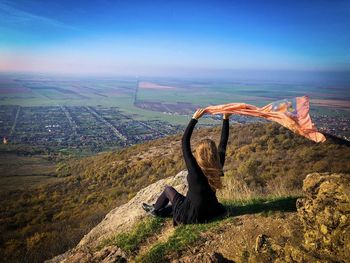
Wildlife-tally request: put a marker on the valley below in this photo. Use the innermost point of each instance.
(55, 200)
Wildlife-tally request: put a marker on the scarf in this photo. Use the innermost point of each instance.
(290, 113)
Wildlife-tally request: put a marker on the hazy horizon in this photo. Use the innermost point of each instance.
(215, 39)
(338, 79)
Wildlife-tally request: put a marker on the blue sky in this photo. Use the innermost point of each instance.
(174, 37)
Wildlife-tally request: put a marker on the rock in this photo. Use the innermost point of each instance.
(120, 219)
(266, 250)
(84, 255)
(324, 213)
(204, 258)
(110, 255)
(123, 217)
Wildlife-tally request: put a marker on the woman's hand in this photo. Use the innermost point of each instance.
(199, 113)
(226, 116)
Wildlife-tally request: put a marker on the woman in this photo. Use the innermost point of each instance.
(204, 172)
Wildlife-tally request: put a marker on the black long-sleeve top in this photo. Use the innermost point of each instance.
(223, 141)
(200, 203)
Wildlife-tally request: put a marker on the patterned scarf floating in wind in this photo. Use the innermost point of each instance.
(291, 113)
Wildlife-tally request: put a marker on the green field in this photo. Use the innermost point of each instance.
(34, 91)
(27, 90)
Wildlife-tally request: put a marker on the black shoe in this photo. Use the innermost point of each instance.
(148, 208)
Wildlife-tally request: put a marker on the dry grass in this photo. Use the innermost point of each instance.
(235, 188)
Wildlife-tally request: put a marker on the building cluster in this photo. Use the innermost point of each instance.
(338, 125)
(78, 127)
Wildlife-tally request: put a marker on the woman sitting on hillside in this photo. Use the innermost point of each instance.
(204, 171)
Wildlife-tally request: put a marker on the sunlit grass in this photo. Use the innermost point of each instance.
(187, 235)
(130, 241)
(183, 236)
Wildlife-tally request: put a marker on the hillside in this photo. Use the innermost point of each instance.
(263, 160)
(315, 228)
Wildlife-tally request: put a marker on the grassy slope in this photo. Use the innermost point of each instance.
(23, 172)
(154, 239)
(263, 159)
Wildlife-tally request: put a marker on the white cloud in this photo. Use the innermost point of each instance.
(14, 16)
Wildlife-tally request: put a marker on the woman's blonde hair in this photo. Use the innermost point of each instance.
(208, 159)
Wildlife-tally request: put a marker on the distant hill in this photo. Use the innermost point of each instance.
(262, 160)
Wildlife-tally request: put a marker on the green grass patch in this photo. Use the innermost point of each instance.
(130, 241)
(186, 235)
(183, 236)
(265, 206)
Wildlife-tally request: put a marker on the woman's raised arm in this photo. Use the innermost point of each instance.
(224, 138)
(191, 163)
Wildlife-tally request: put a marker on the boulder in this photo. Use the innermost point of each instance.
(325, 215)
(120, 219)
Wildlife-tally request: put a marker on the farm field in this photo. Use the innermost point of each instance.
(88, 115)
(27, 90)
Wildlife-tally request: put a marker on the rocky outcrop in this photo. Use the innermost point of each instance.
(120, 219)
(123, 217)
(324, 212)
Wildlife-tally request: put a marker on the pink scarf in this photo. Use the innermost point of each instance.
(291, 113)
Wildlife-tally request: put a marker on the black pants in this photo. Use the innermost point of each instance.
(161, 205)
